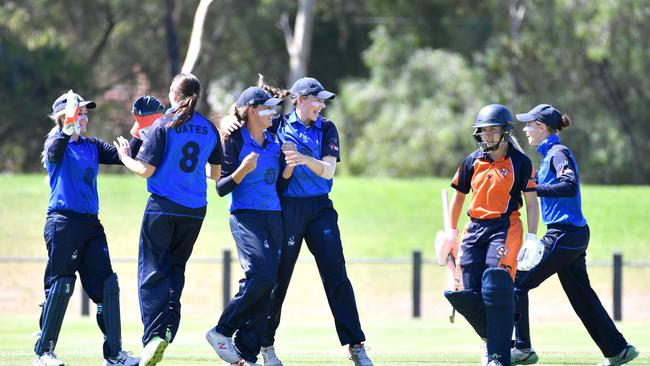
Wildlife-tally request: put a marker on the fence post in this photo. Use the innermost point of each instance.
(85, 303)
(226, 277)
(417, 282)
(618, 285)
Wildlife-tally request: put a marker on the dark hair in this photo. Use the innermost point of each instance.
(273, 90)
(185, 89)
(566, 123)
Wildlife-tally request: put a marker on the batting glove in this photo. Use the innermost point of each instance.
(530, 254)
(446, 244)
(146, 110)
(70, 123)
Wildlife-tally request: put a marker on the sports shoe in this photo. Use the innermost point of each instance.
(123, 359)
(243, 362)
(484, 353)
(494, 363)
(153, 352)
(47, 359)
(628, 354)
(358, 355)
(269, 356)
(223, 346)
(523, 357)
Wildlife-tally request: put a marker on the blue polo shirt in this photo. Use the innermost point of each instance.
(72, 167)
(257, 191)
(316, 140)
(558, 184)
(180, 155)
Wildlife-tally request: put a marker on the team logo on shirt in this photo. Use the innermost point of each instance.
(504, 172)
(270, 176)
(334, 144)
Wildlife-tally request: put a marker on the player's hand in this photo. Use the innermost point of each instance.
(146, 110)
(446, 244)
(294, 158)
(250, 162)
(229, 124)
(530, 254)
(70, 122)
(123, 148)
(289, 146)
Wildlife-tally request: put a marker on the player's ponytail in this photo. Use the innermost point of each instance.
(273, 90)
(513, 141)
(57, 118)
(566, 122)
(186, 89)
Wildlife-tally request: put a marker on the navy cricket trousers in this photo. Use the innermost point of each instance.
(315, 220)
(564, 254)
(167, 238)
(77, 242)
(258, 237)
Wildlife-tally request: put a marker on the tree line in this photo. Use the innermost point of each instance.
(410, 75)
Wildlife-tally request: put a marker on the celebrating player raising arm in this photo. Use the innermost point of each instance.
(173, 159)
(497, 174)
(74, 236)
(565, 243)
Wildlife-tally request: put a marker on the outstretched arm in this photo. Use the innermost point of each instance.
(136, 166)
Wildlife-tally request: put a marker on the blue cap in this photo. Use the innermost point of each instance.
(545, 113)
(310, 86)
(60, 102)
(254, 96)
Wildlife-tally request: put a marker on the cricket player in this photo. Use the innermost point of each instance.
(74, 237)
(497, 174)
(565, 243)
(251, 169)
(180, 150)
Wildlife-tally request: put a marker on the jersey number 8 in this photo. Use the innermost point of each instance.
(190, 157)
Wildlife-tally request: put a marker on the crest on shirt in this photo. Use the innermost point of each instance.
(502, 251)
(334, 143)
(504, 172)
(270, 176)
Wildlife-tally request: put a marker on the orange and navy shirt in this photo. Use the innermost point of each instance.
(496, 185)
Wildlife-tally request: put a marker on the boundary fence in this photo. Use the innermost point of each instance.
(416, 260)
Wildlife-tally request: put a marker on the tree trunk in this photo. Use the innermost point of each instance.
(299, 41)
(194, 48)
(172, 39)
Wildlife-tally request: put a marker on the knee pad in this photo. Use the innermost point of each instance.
(470, 305)
(108, 318)
(54, 309)
(499, 300)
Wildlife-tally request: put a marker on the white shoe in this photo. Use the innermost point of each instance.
(269, 356)
(523, 357)
(47, 359)
(484, 353)
(153, 352)
(223, 346)
(358, 355)
(122, 359)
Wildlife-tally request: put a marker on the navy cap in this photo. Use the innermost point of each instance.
(310, 86)
(255, 95)
(545, 113)
(60, 102)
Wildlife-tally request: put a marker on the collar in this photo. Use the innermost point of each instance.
(488, 157)
(248, 139)
(546, 145)
(293, 118)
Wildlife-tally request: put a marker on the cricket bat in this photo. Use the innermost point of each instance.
(450, 261)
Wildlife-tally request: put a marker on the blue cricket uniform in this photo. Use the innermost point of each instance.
(173, 215)
(256, 226)
(74, 236)
(565, 243)
(309, 214)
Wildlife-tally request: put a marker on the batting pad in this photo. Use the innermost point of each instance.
(53, 313)
(111, 316)
(470, 305)
(499, 299)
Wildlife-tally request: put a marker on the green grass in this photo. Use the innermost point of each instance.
(314, 342)
(378, 217)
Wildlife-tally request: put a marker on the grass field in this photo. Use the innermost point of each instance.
(314, 343)
(379, 218)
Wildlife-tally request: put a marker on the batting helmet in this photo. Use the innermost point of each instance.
(494, 115)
